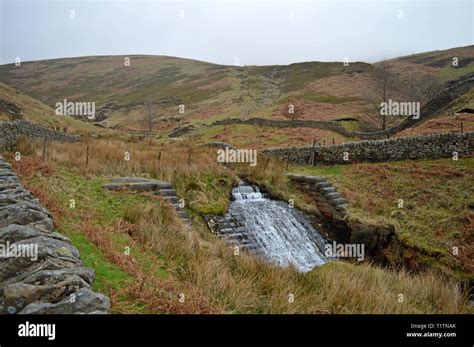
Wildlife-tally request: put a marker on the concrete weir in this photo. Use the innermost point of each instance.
(271, 229)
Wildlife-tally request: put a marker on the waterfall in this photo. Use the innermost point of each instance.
(272, 229)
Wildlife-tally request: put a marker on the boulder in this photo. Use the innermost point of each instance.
(82, 301)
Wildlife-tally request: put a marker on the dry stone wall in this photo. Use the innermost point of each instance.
(418, 147)
(325, 125)
(40, 270)
(10, 131)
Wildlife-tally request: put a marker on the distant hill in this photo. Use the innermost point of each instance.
(124, 94)
(208, 91)
(437, 63)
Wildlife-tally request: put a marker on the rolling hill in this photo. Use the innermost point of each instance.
(209, 92)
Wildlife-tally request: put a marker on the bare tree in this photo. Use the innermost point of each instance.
(149, 118)
(386, 86)
(423, 89)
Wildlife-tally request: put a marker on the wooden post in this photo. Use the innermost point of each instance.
(333, 142)
(87, 155)
(189, 159)
(462, 128)
(44, 149)
(159, 156)
(313, 154)
(266, 163)
(324, 142)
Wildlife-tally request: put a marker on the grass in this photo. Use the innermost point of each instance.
(326, 98)
(435, 216)
(451, 73)
(261, 137)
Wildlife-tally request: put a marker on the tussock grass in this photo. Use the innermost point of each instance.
(198, 178)
(244, 284)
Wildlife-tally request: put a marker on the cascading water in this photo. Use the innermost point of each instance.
(272, 229)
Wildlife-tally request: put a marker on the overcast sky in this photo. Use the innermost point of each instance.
(255, 32)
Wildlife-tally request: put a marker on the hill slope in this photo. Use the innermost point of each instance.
(17, 105)
(125, 94)
(208, 91)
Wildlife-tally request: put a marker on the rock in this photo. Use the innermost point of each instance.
(14, 233)
(46, 248)
(22, 214)
(180, 131)
(19, 295)
(220, 145)
(82, 301)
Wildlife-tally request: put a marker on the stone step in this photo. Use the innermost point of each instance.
(324, 184)
(178, 207)
(238, 227)
(342, 207)
(334, 195)
(328, 190)
(250, 247)
(4, 165)
(5, 186)
(182, 214)
(167, 192)
(339, 201)
(171, 199)
(224, 231)
(306, 179)
(157, 184)
(236, 236)
(186, 221)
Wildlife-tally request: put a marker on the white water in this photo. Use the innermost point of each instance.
(281, 234)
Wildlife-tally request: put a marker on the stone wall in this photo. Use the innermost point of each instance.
(10, 131)
(325, 125)
(40, 270)
(418, 147)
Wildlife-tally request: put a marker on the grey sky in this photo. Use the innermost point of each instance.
(257, 32)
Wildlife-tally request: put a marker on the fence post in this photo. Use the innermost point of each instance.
(313, 153)
(266, 163)
(44, 148)
(87, 155)
(462, 128)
